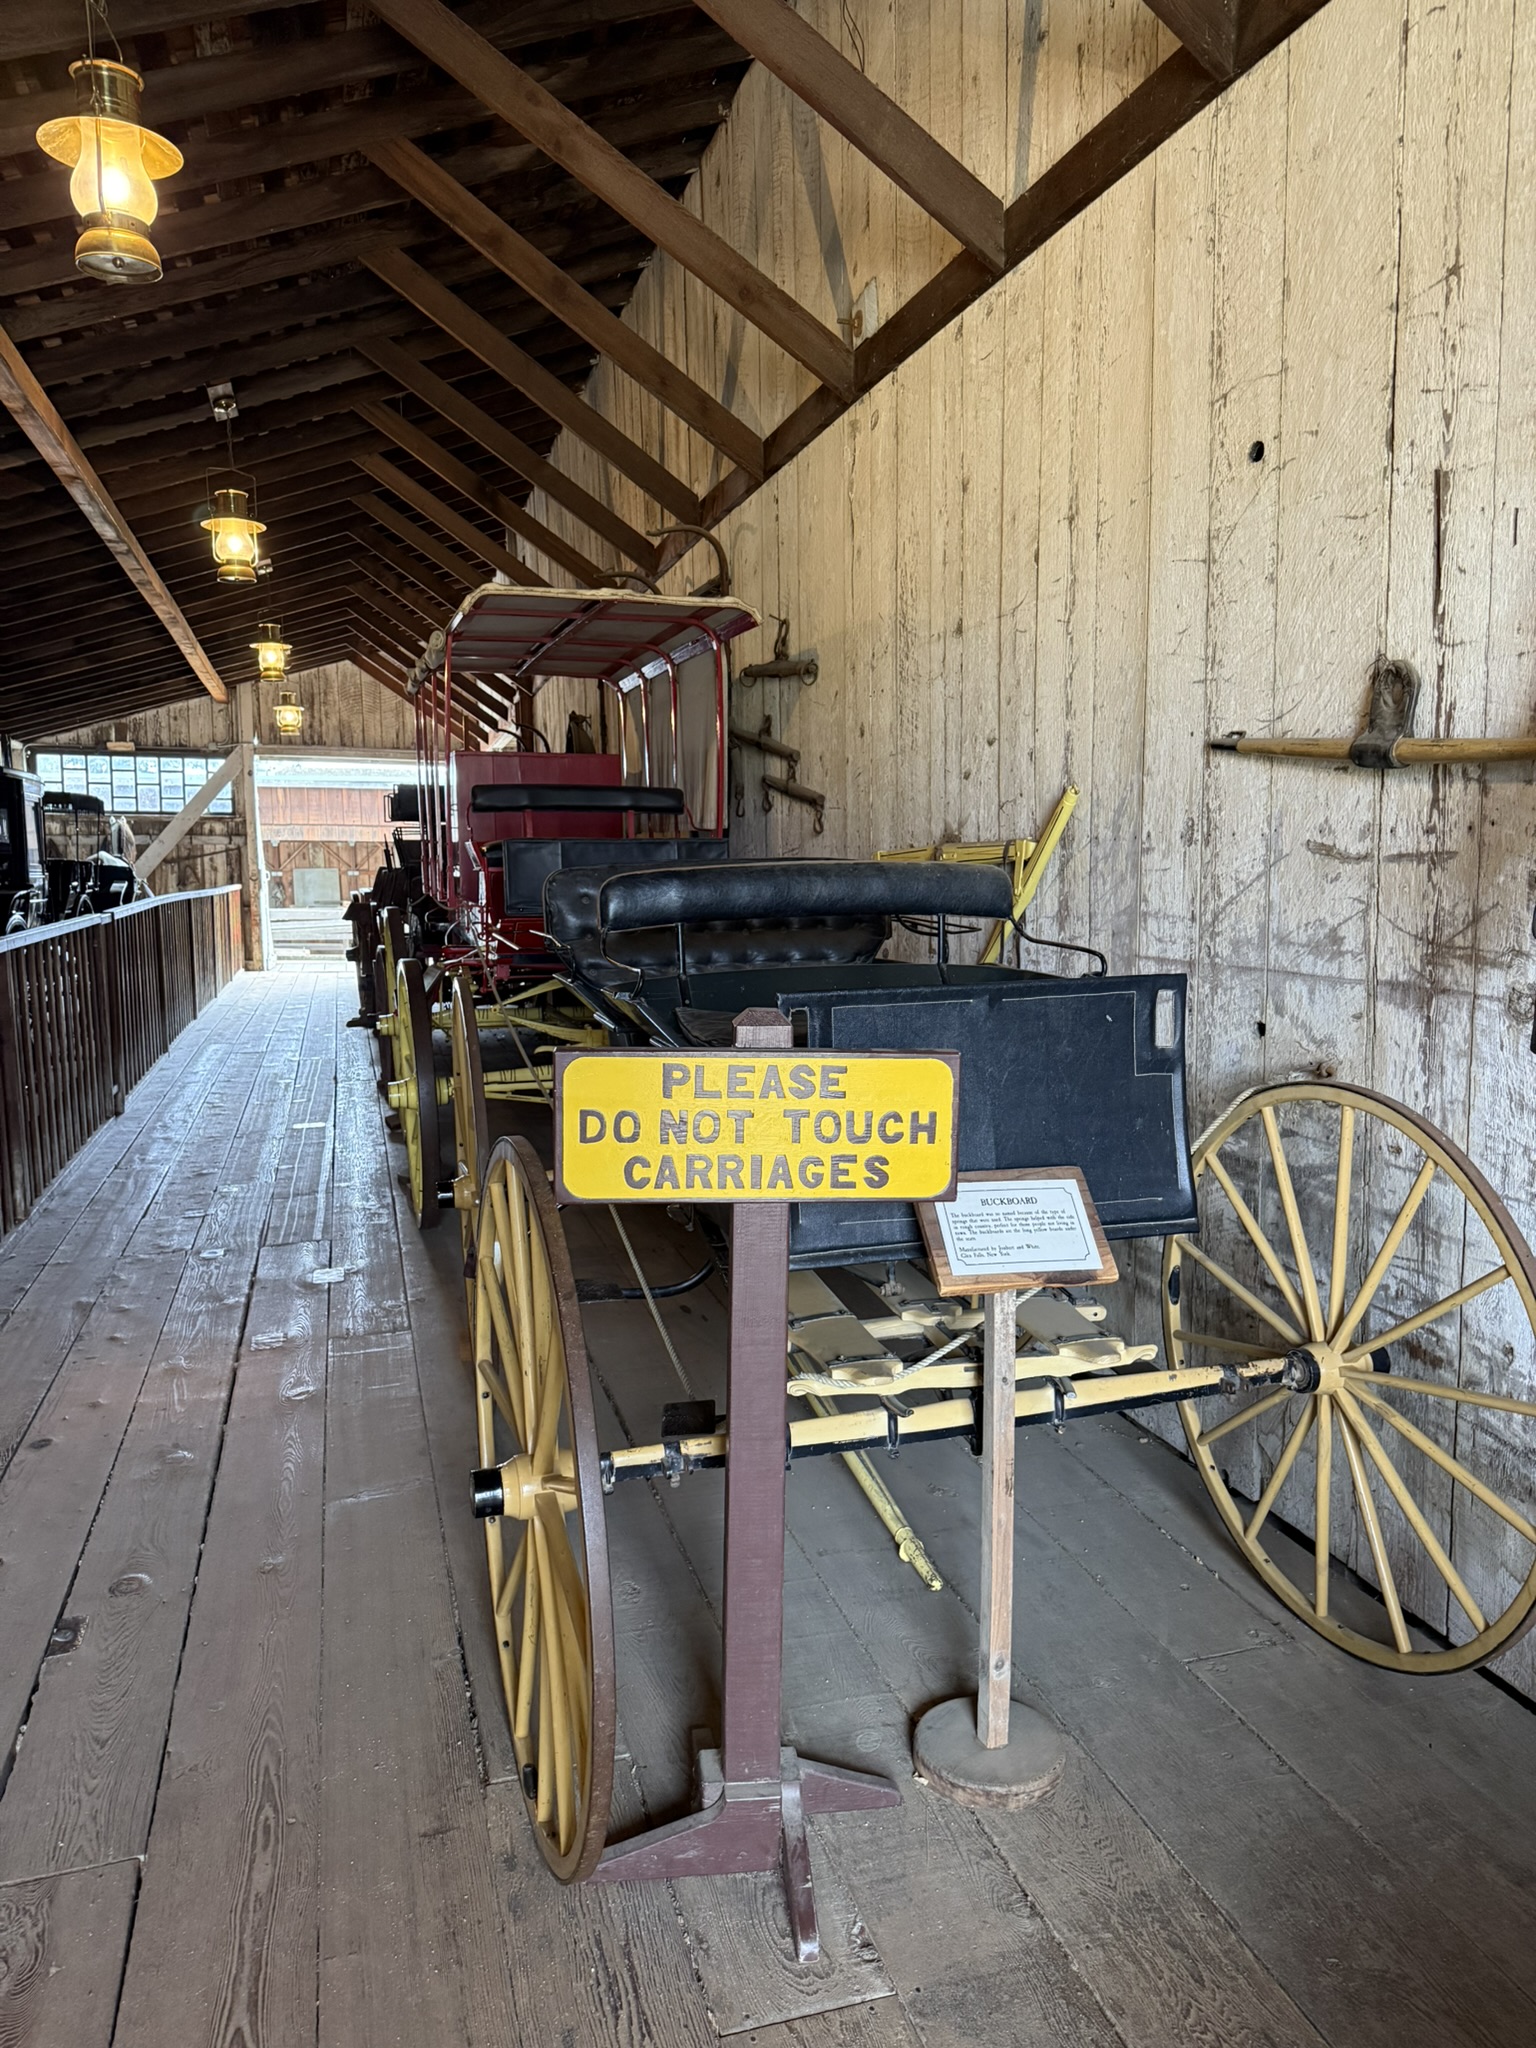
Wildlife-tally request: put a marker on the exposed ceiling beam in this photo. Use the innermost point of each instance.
(463, 572)
(456, 317)
(426, 449)
(427, 181)
(32, 409)
(817, 72)
(468, 535)
(1145, 119)
(523, 103)
(496, 440)
(1211, 30)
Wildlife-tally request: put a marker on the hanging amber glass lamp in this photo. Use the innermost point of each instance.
(288, 715)
(236, 535)
(114, 161)
(271, 651)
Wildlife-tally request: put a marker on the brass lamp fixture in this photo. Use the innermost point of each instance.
(271, 651)
(114, 162)
(236, 535)
(288, 715)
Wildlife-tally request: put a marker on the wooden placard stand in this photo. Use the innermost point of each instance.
(994, 1751)
(754, 1793)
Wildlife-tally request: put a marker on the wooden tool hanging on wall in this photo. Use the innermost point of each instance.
(1386, 741)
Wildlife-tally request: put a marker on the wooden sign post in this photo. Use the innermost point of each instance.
(758, 1127)
(1003, 1232)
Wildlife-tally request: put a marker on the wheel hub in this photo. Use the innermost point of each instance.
(516, 1487)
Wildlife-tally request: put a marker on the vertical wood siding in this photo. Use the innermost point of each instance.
(1043, 550)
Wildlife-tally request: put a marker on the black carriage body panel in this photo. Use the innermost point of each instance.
(1052, 1073)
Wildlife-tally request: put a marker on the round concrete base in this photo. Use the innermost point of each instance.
(1026, 1768)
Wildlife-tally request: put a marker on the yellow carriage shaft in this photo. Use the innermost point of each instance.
(1024, 858)
(1056, 1396)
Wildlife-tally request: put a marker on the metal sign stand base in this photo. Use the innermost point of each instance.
(754, 1794)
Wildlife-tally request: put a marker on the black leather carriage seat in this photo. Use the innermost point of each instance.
(616, 923)
(528, 864)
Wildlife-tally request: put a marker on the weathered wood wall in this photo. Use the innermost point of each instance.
(1266, 411)
(342, 708)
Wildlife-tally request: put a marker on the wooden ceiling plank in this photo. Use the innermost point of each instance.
(651, 129)
(463, 572)
(348, 126)
(426, 449)
(442, 396)
(242, 272)
(468, 535)
(427, 181)
(449, 41)
(517, 368)
(445, 596)
(818, 73)
(32, 409)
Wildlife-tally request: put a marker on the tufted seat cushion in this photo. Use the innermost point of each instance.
(614, 923)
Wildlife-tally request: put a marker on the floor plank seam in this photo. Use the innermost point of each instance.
(13, 1752)
(975, 1822)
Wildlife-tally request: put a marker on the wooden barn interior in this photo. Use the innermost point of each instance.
(1054, 477)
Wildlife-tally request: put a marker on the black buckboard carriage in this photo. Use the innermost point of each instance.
(1345, 1302)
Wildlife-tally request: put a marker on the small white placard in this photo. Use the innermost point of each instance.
(1017, 1226)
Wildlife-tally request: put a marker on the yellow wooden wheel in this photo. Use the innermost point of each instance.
(540, 1492)
(1408, 1462)
(413, 1092)
(471, 1131)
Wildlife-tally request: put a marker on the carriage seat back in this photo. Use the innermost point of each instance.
(528, 864)
(621, 922)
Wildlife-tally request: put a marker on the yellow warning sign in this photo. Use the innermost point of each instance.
(646, 1126)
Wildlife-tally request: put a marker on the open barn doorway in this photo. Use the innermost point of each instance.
(323, 825)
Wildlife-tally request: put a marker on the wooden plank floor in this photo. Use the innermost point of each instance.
(258, 1788)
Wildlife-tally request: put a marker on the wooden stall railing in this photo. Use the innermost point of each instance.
(86, 1008)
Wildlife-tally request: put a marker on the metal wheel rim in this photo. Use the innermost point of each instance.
(418, 1091)
(1365, 1389)
(555, 1651)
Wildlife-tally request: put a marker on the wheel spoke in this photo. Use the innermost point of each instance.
(1281, 1473)
(1238, 1290)
(1341, 1186)
(557, 1735)
(1444, 1307)
(1340, 1335)
(1384, 1579)
(1262, 1245)
(1377, 1381)
(1321, 1522)
(1299, 1248)
(490, 1293)
(1412, 1513)
(527, 1658)
(1447, 1463)
(513, 1579)
(544, 1764)
(1201, 1342)
(1249, 1414)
